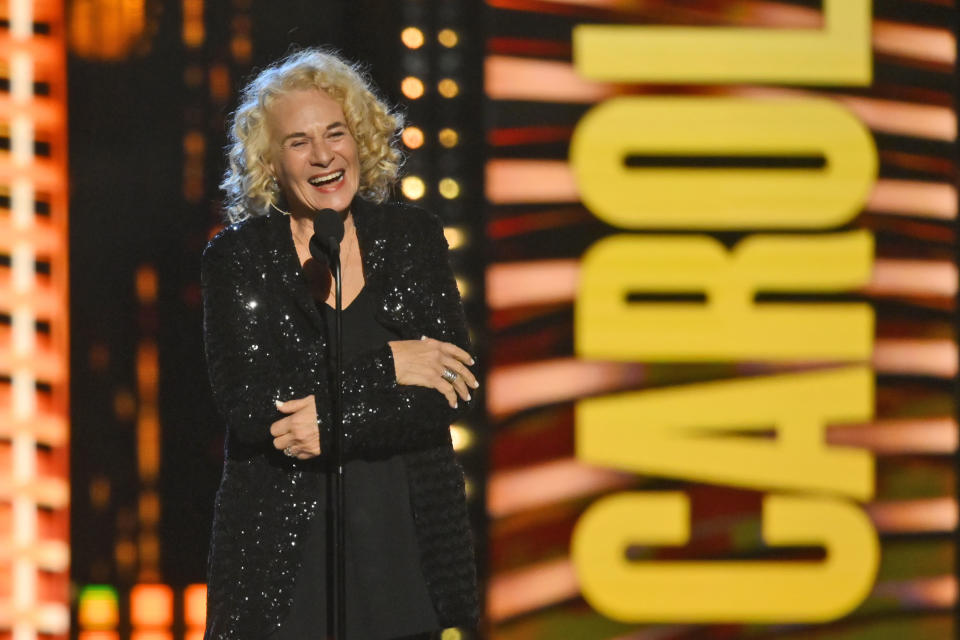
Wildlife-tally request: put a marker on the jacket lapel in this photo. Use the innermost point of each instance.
(286, 266)
(373, 238)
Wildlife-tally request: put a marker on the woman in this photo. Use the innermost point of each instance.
(309, 135)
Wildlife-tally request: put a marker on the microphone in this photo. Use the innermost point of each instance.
(327, 234)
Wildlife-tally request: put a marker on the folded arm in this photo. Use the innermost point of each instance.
(382, 415)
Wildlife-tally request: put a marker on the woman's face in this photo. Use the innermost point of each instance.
(313, 154)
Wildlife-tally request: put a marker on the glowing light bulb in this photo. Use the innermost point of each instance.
(448, 38)
(449, 188)
(412, 37)
(413, 187)
(412, 137)
(455, 236)
(448, 138)
(461, 437)
(448, 88)
(412, 87)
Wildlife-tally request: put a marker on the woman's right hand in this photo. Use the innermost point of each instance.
(422, 362)
(298, 433)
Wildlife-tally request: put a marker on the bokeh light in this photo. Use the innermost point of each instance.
(413, 187)
(461, 437)
(97, 607)
(412, 37)
(448, 88)
(449, 188)
(448, 38)
(448, 137)
(463, 286)
(412, 137)
(412, 87)
(456, 237)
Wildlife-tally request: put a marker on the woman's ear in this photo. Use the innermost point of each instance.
(271, 170)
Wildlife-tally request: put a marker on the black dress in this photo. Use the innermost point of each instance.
(386, 592)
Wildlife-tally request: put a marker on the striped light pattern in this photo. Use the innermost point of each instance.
(154, 611)
(538, 229)
(34, 488)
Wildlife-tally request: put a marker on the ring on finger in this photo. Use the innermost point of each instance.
(449, 375)
(288, 451)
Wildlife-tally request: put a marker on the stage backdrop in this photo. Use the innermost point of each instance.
(722, 319)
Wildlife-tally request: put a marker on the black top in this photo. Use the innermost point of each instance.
(386, 592)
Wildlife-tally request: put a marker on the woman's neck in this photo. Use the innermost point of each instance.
(302, 226)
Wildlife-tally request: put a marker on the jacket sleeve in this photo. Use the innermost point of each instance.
(382, 416)
(236, 343)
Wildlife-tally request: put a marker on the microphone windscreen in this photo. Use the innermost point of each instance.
(328, 224)
(327, 234)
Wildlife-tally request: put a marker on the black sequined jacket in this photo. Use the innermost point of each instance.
(265, 339)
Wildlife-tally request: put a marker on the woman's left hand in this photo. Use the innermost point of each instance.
(297, 434)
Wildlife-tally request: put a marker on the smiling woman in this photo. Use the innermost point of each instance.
(310, 134)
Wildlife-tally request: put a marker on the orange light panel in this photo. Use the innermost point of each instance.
(151, 635)
(532, 487)
(514, 78)
(151, 605)
(532, 384)
(917, 356)
(531, 588)
(195, 605)
(914, 516)
(97, 608)
(531, 282)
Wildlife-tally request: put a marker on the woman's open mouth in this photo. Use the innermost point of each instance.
(328, 180)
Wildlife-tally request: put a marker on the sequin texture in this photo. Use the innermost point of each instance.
(265, 340)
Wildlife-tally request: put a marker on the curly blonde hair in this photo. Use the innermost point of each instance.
(248, 183)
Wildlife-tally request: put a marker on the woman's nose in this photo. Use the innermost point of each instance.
(321, 153)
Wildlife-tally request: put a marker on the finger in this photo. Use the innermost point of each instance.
(458, 382)
(282, 442)
(461, 388)
(462, 372)
(280, 427)
(448, 392)
(451, 349)
(294, 405)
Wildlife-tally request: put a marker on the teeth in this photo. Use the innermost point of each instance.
(333, 177)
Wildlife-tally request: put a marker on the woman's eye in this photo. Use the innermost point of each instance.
(298, 143)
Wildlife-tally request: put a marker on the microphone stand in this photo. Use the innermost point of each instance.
(336, 487)
(325, 244)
